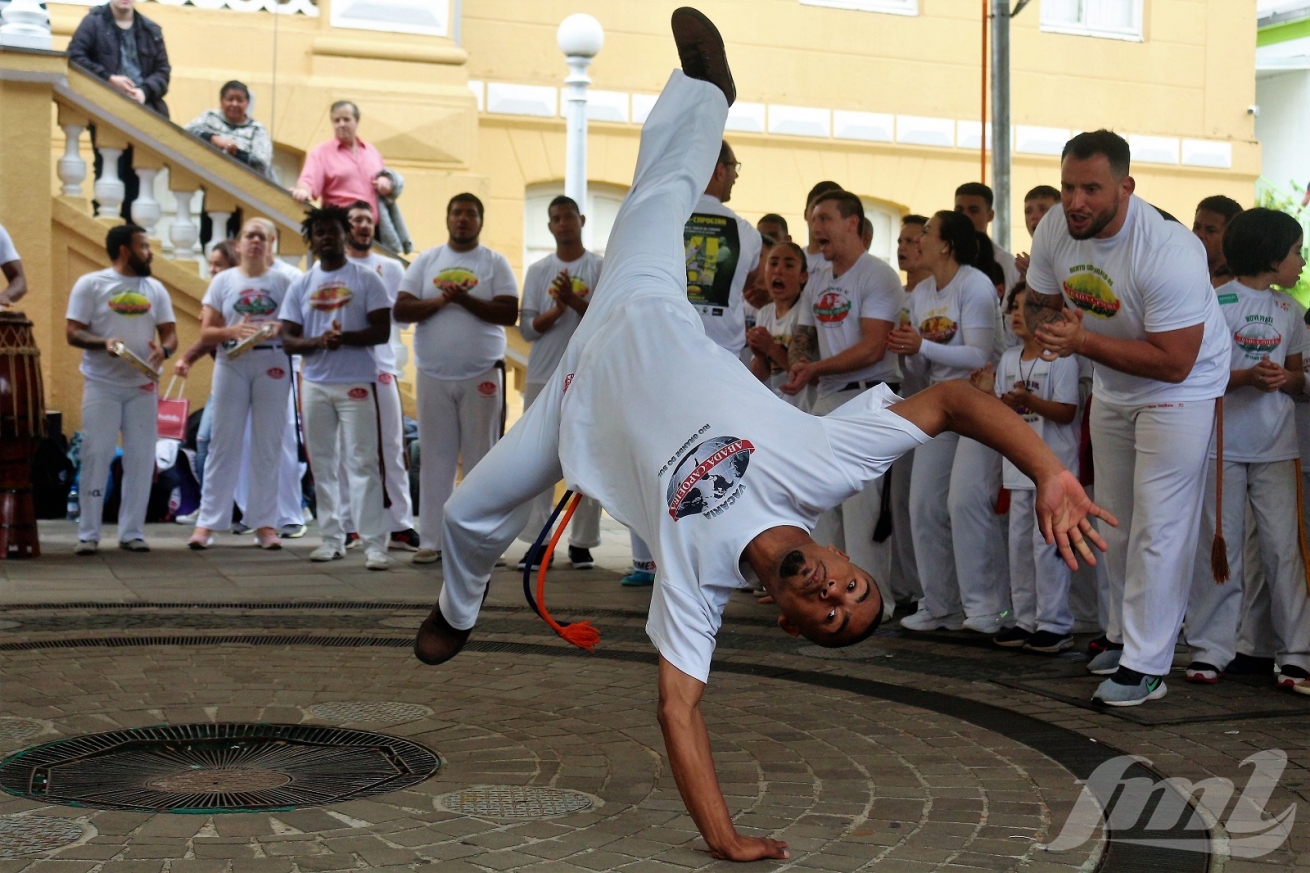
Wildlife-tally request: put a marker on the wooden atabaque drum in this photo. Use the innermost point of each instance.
(22, 427)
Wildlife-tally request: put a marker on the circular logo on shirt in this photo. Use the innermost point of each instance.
(938, 329)
(357, 393)
(1092, 295)
(254, 303)
(276, 372)
(385, 378)
(455, 278)
(707, 479)
(487, 389)
(329, 298)
(129, 303)
(580, 289)
(832, 307)
(1257, 339)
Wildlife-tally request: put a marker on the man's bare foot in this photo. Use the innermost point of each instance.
(437, 642)
(700, 49)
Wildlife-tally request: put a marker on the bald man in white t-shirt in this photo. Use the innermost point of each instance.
(682, 443)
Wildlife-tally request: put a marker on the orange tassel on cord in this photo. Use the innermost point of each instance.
(1219, 549)
(580, 633)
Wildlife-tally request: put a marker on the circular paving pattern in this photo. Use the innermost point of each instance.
(514, 801)
(849, 653)
(9, 624)
(12, 729)
(221, 767)
(25, 835)
(370, 711)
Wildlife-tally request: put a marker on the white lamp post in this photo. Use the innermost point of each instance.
(580, 37)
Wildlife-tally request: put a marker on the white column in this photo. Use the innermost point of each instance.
(109, 189)
(218, 221)
(580, 37)
(167, 207)
(72, 169)
(26, 25)
(145, 208)
(184, 232)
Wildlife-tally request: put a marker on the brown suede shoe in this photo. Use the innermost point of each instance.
(437, 642)
(700, 49)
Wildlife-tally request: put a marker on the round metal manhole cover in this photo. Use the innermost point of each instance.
(24, 835)
(355, 710)
(12, 728)
(515, 801)
(216, 768)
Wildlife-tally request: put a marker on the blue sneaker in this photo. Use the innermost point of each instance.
(1130, 688)
(638, 579)
(1106, 663)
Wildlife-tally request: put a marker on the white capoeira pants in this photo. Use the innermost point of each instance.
(458, 420)
(345, 415)
(642, 558)
(1255, 633)
(254, 386)
(644, 257)
(584, 529)
(904, 576)
(849, 526)
(1214, 611)
(1150, 474)
(953, 491)
(395, 470)
(1039, 577)
(109, 409)
(290, 471)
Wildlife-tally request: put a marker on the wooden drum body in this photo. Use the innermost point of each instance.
(22, 427)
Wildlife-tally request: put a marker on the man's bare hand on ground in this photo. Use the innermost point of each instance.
(1065, 513)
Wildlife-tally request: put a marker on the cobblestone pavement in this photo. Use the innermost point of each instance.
(903, 754)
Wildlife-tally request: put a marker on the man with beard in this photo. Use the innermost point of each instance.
(119, 309)
(1142, 309)
(462, 296)
(395, 473)
(334, 316)
(648, 415)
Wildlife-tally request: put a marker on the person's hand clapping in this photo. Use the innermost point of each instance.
(801, 374)
(1021, 262)
(1268, 376)
(760, 341)
(331, 338)
(904, 340)
(1017, 398)
(1063, 338)
(561, 288)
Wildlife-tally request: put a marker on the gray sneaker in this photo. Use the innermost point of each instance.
(1112, 693)
(291, 531)
(1106, 663)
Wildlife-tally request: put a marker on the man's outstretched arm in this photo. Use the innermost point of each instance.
(1064, 511)
(688, 743)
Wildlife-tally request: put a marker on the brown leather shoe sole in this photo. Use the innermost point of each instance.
(437, 642)
(700, 49)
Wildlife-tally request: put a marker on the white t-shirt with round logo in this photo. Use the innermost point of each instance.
(7, 251)
(782, 329)
(681, 443)
(968, 302)
(834, 305)
(721, 250)
(454, 343)
(130, 308)
(1055, 380)
(238, 298)
(346, 296)
(390, 271)
(548, 348)
(1150, 277)
(1259, 427)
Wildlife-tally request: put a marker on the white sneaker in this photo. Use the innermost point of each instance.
(426, 556)
(326, 552)
(375, 560)
(189, 518)
(86, 547)
(922, 621)
(990, 625)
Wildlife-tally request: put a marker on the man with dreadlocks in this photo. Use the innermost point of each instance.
(334, 315)
(681, 443)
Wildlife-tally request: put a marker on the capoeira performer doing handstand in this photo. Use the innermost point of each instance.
(681, 443)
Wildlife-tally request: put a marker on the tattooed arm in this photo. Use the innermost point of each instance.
(804, 345)
(1040, 309)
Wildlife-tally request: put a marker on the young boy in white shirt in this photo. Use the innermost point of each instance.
(1043, 390)
(1260, 454)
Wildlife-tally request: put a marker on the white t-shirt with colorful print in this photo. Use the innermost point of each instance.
(130, 308)
(346, 296)
(238, 298)
(390, 271)
(454, 343)
(834, 307)
(548, 348)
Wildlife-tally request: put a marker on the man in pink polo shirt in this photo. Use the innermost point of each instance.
(345, 168)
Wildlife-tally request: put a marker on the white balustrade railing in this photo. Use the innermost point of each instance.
(110, 190)
(286, 7)
(71, 168)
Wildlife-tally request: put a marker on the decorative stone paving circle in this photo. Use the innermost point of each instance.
(224, 767)
(850, 653)
(9, 624)
(356, 710)
(514, 801)
(20, 728)
(25, 835)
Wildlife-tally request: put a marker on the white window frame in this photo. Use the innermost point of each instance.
(405, 16)
(893, 7)
(1134, 33)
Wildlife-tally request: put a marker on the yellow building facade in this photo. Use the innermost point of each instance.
(881, 96)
